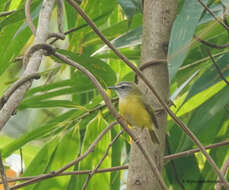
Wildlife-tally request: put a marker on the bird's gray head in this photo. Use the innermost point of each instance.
(124, 89)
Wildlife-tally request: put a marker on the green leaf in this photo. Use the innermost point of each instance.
(197, 100)
(219, 155)
(103, 7)
(181, 35)
(184, 175)
(42, 160)
(210, 77)
(180, 88)
(111, 32)
(13, 37)
(66, 151)
(36, 133)
(94, 128)
(99, 68)
(47, 104)
(131, 7)
(129, 39)
(116, 160)
(51, 86)
(206, 118)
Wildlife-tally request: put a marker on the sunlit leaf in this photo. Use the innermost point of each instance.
(181, 35)
(94, 128)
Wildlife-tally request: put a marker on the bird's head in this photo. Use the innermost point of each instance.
(124, 89)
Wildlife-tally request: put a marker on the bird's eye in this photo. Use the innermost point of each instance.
(122, 87)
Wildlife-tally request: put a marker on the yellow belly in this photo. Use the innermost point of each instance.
(134, 112)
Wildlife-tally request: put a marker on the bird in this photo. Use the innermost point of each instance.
(135, 109)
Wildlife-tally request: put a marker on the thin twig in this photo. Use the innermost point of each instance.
(3, 174)
(6, 13)
(28, 17)
(56, 173)
(16, 85)
(141, 75)
(149, 64)
(192, 151)
(201, 60)
(35, 48)
(224, 171)
(60, 16)
(210, 44)
(81, 172)
(56, 36)
(70, 31)
(101, 161)
(213, 15)
(217, 67)
(166, 158)
(97, 108)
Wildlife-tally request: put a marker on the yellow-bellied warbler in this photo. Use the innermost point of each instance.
(135, 109)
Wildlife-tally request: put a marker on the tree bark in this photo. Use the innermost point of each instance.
(158, 18)
(33, 65)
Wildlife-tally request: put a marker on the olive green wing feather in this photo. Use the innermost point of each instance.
(153, 133)
(151, 112)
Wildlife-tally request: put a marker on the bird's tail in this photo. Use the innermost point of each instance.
(154, 137)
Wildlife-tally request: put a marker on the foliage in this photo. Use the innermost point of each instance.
(61, 120)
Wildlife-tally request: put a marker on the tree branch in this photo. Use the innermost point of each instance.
(16, 85)
(224, 171)
(82, 172)
(217, 67)
(101, 161)
(192, 151)
(29, 18)
(210, 44)
(6, 13)
(60, 16)
(33, 65)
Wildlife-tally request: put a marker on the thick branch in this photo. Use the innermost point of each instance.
(33, 65)
(16, 85)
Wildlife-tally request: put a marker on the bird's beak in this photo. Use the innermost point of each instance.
(112, 87)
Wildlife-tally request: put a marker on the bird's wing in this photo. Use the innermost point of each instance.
(149, 109)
